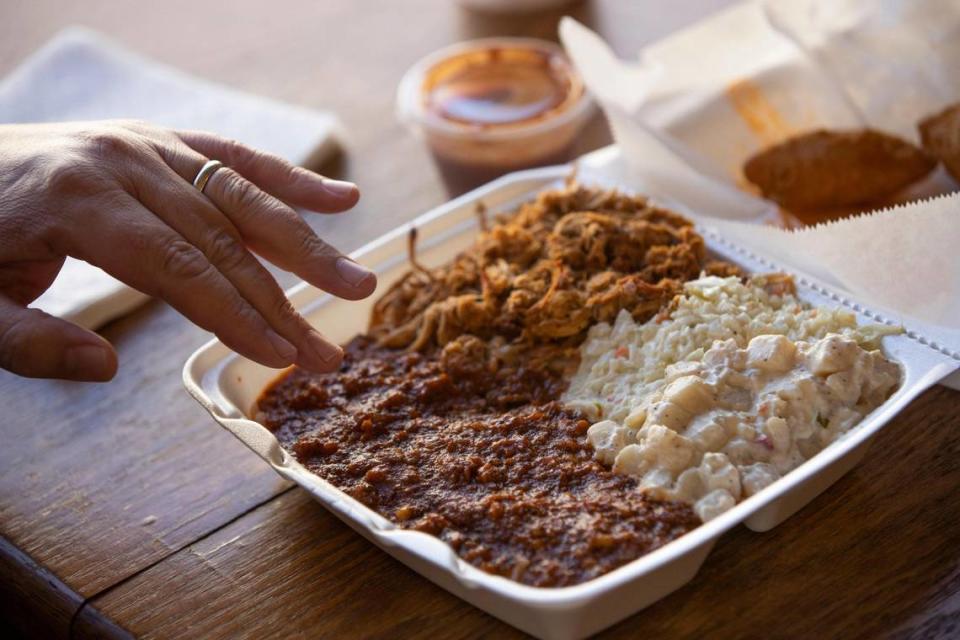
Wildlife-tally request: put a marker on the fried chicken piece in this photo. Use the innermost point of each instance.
(940, 134)
(830, 169)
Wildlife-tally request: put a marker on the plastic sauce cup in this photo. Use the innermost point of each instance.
(489, 107)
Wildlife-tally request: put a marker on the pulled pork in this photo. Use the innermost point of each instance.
(541, 277)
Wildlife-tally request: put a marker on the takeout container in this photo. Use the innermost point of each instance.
(227, 385)
(469, 154)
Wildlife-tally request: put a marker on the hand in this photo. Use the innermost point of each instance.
(119, 196)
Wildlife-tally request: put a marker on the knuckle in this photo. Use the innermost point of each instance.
(135, 124)
(238, 308)
(280, 168)
(233, 151)
(309, 246)
(224, 250)
(140, 241)
(239, 154)
(67, 176)
(100, 206)
(110, 143)
(180, 259)
(242, 313)
(14, 339)
(292, 173)
(239, 192)
(307, 242)
(285, 310)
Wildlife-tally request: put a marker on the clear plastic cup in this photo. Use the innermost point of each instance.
(492, 106)
(513, 6)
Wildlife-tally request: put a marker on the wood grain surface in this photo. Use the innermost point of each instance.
(875, 555)
(100, 481)
(125, 509)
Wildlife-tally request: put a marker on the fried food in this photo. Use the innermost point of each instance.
(940, 134)
(831, 169)
(573, 257)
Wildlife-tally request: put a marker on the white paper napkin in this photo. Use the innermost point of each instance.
(678, 126)
(892, 61)
(80, 75)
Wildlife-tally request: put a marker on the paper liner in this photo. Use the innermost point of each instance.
(697, 105)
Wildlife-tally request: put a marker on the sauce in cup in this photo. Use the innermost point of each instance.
(489, 107)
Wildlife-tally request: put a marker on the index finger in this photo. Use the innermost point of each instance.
(294, 185)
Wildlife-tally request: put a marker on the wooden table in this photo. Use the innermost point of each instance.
(125, 510)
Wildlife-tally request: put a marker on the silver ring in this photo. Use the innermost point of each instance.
(206, 171)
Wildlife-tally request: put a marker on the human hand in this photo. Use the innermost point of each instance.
(119, 196)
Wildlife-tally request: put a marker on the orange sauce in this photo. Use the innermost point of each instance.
(497, 87)
(493, 108)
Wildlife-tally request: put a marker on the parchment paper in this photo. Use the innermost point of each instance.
(694, 107)
(892, 61)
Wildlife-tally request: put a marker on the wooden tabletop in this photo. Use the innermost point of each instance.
(125, 510)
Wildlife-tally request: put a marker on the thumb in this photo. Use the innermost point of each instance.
(37, 345)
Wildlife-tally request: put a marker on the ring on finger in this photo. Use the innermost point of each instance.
(206, 171)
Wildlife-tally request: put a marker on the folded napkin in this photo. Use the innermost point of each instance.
(80, 75)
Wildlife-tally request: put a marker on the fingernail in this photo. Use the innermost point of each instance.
(325, 350)
(340, 188)
(283, 348)
(88, 362)
(351, 272)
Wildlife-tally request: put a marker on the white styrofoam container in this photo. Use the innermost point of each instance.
(227, 385)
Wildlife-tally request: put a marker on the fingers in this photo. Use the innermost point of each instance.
(273, 229)
(37, 345)
(294, 185)
(276, 232)
(132, 244)
(233, 215)
(198, 221)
